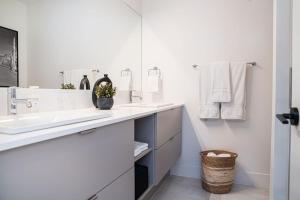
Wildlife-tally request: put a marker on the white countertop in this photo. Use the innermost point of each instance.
(119, 114)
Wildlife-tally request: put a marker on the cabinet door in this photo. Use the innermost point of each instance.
(166, 156)
(121, 189)
(168, 124)
(68, 168)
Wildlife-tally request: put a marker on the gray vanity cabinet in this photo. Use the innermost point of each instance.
(167, 141)
(73, 167)
(121, 189)
(168, 124)
(166, 157)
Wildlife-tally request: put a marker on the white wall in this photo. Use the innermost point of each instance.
(67, 34)
(177, 34)
(281, 133)
(13, 15)
(135, 5)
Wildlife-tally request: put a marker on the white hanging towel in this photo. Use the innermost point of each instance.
(236, 109)
(67, 76)
(125, 83)
(207, 108)
(220, 82)
(154, 83)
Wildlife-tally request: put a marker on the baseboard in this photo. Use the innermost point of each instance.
(259, 180)
(152, 189)
(254, 179)
(186, 170)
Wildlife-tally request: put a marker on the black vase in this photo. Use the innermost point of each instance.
(105, 79)
(105, 103)
(85, 83)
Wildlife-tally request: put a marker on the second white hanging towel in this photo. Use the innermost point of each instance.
(236, 109)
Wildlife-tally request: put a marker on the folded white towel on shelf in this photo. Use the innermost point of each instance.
(139, 147)
(125, 83)
(220, 82)
(207, 108)
(236, 109)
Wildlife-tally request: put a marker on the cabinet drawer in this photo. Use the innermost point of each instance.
(168, 124)
(72, 167)
(166, 156)
(121, 189)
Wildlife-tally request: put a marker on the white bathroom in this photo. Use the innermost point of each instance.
(149, 99)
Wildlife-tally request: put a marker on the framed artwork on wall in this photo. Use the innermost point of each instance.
(9, 64)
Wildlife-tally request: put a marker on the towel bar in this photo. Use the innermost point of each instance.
(252, 64)
(61, 73)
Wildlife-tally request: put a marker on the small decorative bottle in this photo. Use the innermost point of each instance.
(85, 83)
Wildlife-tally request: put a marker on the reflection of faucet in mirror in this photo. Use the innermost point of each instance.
(135, 94)
(13, 101)
(126, 85)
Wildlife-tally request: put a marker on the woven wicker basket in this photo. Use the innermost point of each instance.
(218, 172)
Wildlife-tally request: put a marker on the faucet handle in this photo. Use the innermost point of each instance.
(31, 101)
(136, 93)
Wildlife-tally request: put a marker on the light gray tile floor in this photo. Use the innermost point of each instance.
(179, 188)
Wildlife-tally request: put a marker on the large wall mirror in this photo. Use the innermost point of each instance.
(62, 40)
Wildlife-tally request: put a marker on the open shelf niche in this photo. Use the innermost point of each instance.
(144, 131)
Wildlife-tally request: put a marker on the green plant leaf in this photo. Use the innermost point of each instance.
(105, 91)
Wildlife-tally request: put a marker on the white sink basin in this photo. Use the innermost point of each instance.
(32, 122)
(147, 105)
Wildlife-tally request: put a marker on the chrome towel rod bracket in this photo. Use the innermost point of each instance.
(252, 64)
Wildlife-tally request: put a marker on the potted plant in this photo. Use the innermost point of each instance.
(68, 86)
(105, 95)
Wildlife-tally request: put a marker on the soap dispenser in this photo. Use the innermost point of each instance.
(85, 83)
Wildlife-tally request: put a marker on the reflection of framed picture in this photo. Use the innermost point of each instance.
(9, 69)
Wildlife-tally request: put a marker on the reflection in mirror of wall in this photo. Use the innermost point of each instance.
(60, 41)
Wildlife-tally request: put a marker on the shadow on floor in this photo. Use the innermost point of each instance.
(180, 188)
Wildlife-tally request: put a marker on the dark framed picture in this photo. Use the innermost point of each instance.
(9, 62)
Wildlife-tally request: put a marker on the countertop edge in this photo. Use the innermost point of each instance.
(8, 142)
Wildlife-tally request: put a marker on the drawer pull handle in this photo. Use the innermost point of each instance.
(87, 132)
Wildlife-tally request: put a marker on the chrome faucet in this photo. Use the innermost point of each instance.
(135, 94)
(13, 101)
